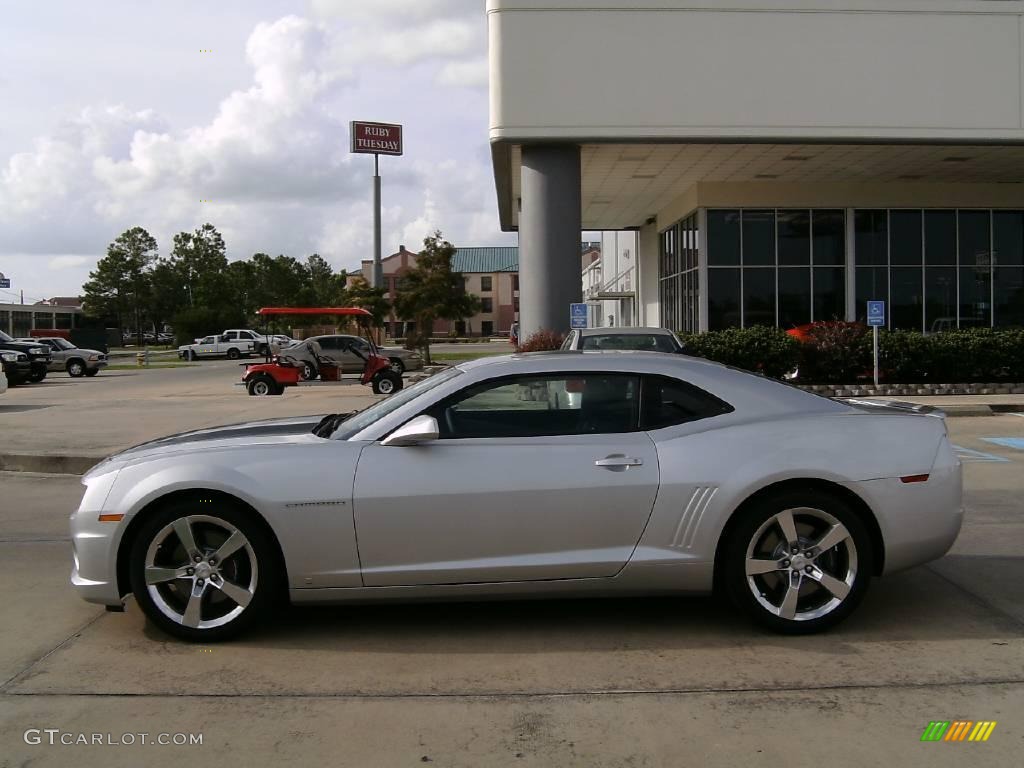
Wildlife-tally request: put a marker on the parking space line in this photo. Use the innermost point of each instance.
(1017, 443)
(971, 456)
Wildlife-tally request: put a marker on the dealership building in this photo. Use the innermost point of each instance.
(781, 161)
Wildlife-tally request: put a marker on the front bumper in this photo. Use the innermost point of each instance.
(96, 365)
(94, 545)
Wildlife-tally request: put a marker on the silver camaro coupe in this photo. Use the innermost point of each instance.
(546, 474)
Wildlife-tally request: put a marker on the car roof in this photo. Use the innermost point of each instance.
(624, 331)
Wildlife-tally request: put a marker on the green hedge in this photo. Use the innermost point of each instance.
(763, 350)
(840, 353)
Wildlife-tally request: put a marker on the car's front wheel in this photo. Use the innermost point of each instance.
(75, 368)
(799, 561)
(203, 570)
(397, 365)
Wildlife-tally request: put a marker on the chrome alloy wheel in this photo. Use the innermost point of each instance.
(801, 564)
(201, 571)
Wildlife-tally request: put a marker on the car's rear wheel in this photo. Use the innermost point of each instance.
(799, 561)
(386, 382)
(75, 368)
(203, 570)
(261, 386)
(233, 354)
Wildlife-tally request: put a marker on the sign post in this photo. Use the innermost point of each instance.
(577, 316)
(876, 319)
(375, 139)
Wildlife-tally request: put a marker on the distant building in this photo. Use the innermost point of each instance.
(19, 319)
(492, 274)
(61, 301)
(609, 280)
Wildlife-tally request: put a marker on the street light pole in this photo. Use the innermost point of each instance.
(378, 270)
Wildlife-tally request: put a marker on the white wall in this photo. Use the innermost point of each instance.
(925, 69)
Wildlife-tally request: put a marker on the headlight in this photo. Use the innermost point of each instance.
(93, 358)
(8, 357)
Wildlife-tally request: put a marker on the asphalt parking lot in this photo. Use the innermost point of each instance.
(630, 682)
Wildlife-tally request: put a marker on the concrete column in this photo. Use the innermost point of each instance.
(550, 273)
(648, 297)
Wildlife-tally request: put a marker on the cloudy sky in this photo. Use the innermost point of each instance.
(115, 116)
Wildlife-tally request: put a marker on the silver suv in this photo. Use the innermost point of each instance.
(65, 356)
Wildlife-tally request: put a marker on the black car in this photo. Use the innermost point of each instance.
(16, 366)
(38, 357)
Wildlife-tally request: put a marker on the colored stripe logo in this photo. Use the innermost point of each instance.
(958, 730)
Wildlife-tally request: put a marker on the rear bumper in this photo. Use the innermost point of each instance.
(919, 521)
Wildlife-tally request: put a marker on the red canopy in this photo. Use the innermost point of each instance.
(315, 311)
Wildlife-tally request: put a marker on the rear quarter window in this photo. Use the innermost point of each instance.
(667, 402)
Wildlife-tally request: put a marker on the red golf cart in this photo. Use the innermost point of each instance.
(272, 376)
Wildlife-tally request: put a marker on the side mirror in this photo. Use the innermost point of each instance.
(422, 429)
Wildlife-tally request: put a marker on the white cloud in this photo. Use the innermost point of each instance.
(466, 74)
(271, 165)
(64, 262)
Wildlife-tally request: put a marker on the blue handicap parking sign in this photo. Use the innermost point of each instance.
(577, 315)
(876, 313)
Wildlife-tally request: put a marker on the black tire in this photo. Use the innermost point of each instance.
(308, 371)
(190, 355)
(75, 368)
(262, 385)
(397, 365)
(255, 567)
(90, 372)
(387, 382)
(261, 350)
(233, 354)
(816, 607)
(37, 376)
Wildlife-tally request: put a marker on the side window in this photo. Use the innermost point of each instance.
(668, 402)
(330, 343)
(534, 406)
(230, 335)
(247, 335)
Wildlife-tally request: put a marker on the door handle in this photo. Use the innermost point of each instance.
(618, 462)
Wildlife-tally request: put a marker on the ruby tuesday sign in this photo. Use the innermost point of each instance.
(376, 138)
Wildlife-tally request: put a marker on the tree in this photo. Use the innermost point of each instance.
(359, 293)
(119, 286)
(431, 290)
(201, 259)
(326, 289)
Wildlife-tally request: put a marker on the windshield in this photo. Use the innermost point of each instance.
(5, 337)
(379, 410)
(650, 342)
(63, 343)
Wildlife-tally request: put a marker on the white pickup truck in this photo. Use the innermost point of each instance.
(217, 346)
(260, 342)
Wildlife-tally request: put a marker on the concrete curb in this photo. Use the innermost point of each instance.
(50, 464)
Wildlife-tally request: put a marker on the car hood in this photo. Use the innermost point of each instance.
(250, 433)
